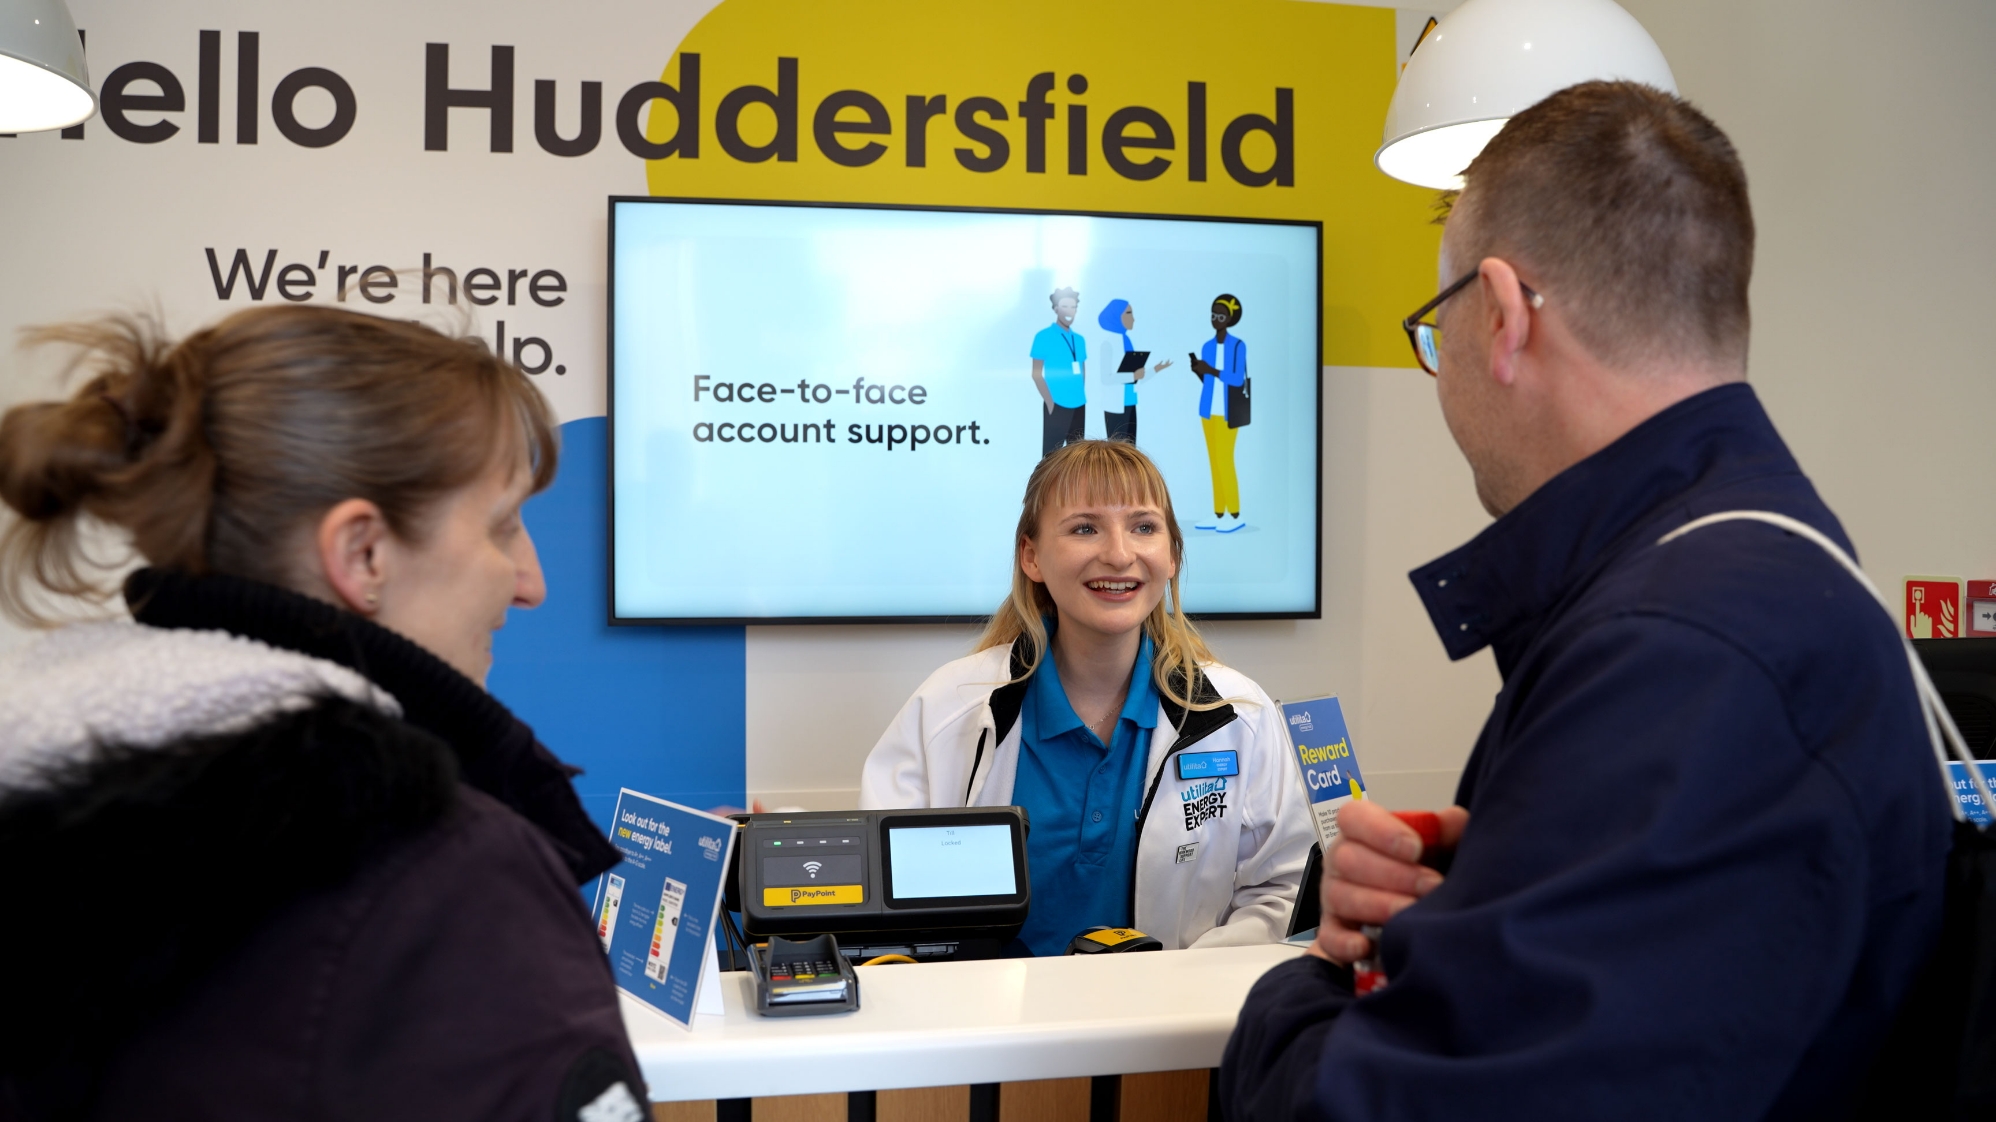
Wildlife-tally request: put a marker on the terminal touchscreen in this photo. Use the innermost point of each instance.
(935, 862)
(921, 876)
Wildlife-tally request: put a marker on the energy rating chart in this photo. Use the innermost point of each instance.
(655, 911)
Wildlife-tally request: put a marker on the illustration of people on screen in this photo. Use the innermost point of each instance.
(1060, 370)
(1119, 399)
(1223, 411)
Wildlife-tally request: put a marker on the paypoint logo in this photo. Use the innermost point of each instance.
(826, 894)
(1258, 109)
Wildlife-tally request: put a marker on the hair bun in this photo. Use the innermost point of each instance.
(125, 449)
(133, 435)
(56, 455)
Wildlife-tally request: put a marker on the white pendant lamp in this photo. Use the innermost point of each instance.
(43, 82)
(1489, 59)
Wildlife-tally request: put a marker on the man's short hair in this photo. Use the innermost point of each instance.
(1060, 294)
(1631, 206)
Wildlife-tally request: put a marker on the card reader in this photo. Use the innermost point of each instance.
(916, 879)
(802, 977)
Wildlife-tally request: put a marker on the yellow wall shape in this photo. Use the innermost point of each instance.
(1338, 61)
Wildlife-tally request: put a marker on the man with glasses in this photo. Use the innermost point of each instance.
(1697, 855)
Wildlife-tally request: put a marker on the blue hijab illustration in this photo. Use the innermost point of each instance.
(1120, 423)
(1111, 320)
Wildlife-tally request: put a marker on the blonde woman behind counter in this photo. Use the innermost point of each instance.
(1086, 740)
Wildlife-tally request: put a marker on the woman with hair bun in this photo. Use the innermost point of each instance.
(271, 850)
(1088, 691)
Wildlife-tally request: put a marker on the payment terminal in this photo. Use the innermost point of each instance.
(928, 884)
(796, 978)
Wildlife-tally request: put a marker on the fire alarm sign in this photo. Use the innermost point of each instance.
(1933, 607)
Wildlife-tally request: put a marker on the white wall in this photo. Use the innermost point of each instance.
(1866, 132)
(1866, 129)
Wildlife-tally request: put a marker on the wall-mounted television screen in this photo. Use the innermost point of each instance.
(827, 413)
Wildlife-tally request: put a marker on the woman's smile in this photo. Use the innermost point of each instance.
(1115, 589)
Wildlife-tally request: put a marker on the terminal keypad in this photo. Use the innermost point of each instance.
(798, 971)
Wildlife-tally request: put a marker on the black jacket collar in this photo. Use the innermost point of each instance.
(496, 752)
(1499, 589)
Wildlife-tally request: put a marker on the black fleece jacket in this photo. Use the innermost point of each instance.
(334, 912)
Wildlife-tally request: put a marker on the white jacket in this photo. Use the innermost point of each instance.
(1218, 861)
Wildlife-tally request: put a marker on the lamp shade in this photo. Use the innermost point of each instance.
(1489, 59)
(43, 81)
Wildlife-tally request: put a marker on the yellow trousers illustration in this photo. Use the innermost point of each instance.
(1220, 455)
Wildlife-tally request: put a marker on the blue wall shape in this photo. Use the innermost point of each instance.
(655, 709)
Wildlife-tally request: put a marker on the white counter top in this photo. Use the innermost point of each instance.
(945, 1023)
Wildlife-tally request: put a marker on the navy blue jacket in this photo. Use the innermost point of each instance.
(1707, 834)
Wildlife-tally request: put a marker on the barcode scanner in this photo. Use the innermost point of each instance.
(1112, 940)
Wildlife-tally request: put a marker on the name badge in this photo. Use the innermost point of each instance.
(1208, 765)
(1077, 367)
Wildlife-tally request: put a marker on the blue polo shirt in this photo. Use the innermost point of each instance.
(1082, 797)
(1063, 350)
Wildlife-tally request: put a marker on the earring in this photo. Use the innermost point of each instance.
(373, 599)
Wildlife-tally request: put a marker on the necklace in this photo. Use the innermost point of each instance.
(1104, 726)
(1107, 721)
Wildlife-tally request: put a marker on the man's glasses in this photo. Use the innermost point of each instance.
(1427, 338)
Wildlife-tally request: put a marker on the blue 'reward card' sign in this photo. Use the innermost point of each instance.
(655, 910)
(1322, 747)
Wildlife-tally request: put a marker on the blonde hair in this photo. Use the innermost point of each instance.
(1104, 471)
(212, 452)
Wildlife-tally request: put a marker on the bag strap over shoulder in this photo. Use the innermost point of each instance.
(1942, 734)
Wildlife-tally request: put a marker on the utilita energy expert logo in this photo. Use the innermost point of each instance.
(144, 102)
(1204, 802)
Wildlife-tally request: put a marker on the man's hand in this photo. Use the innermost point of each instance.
(1372, 873)
(1040, 384)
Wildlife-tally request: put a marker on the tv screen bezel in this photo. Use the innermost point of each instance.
(1316, 609)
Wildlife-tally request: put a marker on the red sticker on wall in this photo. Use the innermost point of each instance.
(1933, 607)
